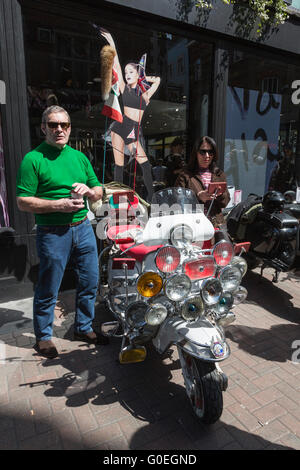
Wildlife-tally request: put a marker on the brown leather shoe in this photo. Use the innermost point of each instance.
(92, 337)
(46, 349)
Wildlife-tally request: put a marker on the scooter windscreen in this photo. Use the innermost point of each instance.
(176, 208)
(172, 201)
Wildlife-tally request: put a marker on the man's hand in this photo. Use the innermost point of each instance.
(204, 196)
(37, 205)
(69, 205)
(82, 190)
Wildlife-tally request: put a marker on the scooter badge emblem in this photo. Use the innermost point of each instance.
(217, 349)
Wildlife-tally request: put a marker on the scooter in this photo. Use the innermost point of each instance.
(292, 207)
(271, 229)
(165, 283)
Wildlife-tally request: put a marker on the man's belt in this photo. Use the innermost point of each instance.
(73, 224)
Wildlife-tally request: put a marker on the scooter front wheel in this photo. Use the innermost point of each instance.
(203, 387)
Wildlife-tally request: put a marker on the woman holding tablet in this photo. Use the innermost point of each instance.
(203, 176)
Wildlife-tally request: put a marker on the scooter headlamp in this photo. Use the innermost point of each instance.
(178, 287)
(156, 314)
(211, 291)
(239, 295)
(230, 278)
(135, 313)
(181, 236)
(241, 263)
(224, 304)
(192, 309)
(149, 284)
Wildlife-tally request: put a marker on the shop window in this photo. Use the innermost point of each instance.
(69, 75)
(197, 70)
(261, 123)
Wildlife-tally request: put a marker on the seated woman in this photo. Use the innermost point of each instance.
(200, 171)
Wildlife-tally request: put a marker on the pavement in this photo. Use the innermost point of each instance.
(85, 399)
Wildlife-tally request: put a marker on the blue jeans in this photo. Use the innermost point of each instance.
(55, 245)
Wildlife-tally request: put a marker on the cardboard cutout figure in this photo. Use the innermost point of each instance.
(136, 90)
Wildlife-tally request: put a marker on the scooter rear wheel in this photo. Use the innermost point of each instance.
(203, 387)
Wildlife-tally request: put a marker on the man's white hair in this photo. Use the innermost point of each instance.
(54, 109)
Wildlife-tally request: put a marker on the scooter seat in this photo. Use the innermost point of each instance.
(114, 233)
(140, 251)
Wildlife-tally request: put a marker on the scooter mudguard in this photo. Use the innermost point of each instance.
(199, 338)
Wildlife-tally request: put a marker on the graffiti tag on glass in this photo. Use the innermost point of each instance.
(296, 94)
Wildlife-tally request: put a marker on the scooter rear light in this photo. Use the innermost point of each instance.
(201, 268)
(167, 259)
(223, 253)
(120, 263)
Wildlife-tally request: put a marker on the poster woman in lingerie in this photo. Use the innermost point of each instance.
(129, 132)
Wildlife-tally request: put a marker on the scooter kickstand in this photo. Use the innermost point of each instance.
(275, 277)
(262, 270)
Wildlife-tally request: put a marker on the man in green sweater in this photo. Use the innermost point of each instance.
(54, 182)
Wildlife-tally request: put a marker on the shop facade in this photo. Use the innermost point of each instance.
(216, 79)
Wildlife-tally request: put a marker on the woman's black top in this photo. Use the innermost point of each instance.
(131, 100)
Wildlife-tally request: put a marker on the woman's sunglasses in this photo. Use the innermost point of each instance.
(54, 125)
(204, 152)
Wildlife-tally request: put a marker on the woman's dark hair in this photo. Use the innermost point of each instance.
(132, 64)
(193, 161)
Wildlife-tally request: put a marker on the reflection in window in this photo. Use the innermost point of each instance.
(261, 119)
(68, 54)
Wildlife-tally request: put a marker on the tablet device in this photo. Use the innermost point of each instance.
(244, 246)
(219, 186)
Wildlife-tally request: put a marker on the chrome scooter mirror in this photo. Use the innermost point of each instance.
(290, 196)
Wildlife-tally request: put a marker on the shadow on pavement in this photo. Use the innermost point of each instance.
(151, 411)
(270, 296)
(96, 376)
(40, 433)
(220, 436)
(9, 316)
(273, 343)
